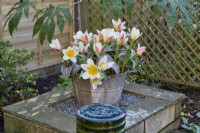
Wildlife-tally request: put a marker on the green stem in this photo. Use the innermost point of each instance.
(131, 45)
(117, 52)
(123, 68)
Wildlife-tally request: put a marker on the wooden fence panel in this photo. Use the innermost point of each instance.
(172, 56)
(22, 38)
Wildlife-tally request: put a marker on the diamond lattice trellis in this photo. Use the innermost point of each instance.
(172, 56)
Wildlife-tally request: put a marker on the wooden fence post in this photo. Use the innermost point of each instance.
(39, 6)
(1, 21)
(84, 18)
(72, 24)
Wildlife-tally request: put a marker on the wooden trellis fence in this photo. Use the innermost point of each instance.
(171, 56)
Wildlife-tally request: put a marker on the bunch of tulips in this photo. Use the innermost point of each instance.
(110, 51)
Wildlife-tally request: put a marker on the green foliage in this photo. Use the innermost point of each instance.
(129, 6)
(44, 19)
(14, 15)
(181, 10)
(138, 75)
(45, 23)
(173, 11)
(13, 82)
(63, 81)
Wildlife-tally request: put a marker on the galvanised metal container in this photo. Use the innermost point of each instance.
(109, 92)
(101, 118)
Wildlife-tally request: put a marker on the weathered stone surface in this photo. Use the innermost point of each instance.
(154, 112)
(14, 124)
(172, 126)
(139, 128)
(33, 128)
(17, 125)
(160, 120)
(178, 109)
(37, 111)
(144, 109)
(58, 121)
(153, 92)
(38, 102)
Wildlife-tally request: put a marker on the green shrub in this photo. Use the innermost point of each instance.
(14, 83)
(63, 82)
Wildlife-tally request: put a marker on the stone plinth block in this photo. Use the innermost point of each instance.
(157, 112)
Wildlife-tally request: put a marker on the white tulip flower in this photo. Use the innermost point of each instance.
(91, 70)
(97, 47)
(96, 82)
(104, 64)
(56, 44)
(135, 34)
(82, 48)
(118, 25)
(70, 54)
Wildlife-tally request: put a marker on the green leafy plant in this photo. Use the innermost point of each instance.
(14, 83)
(173, 11)
(181, 10)
(44, 19)
(63, 81)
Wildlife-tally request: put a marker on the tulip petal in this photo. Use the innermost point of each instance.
(73, 59)
(104, 59)
(90, 61)
(85, 76)
(84, 66)
(65, 57)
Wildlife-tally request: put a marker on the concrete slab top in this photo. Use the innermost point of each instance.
(37, 110)
(154, 92)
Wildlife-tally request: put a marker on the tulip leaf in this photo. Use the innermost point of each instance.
(127, 57)
(66, 70)
(106, 48)
(133, 54)
(115, 67)
(75, 68)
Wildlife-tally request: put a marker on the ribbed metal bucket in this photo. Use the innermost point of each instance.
(109, 92)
